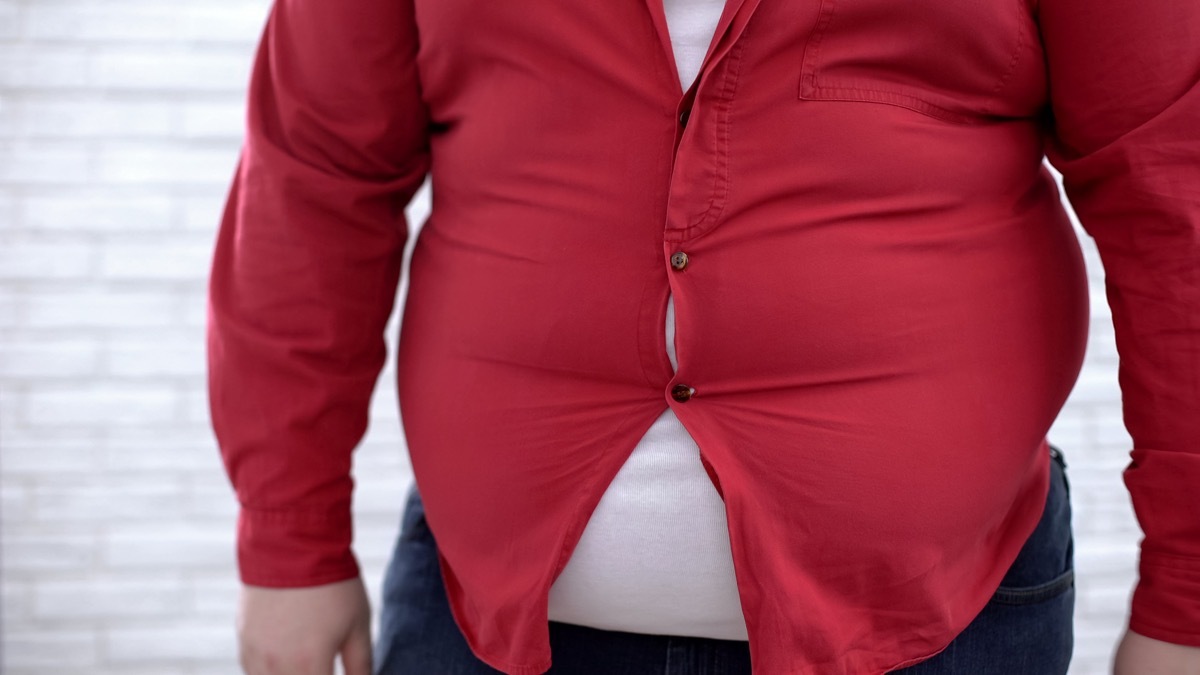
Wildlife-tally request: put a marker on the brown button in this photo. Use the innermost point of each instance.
(683, 116)
(682, 392)
(679, 260)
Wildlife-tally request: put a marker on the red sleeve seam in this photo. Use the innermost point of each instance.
(275, 581)
(293, 515)
(1171, 561)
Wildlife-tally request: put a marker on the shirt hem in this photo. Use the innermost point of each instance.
(1165, 634)
(513, 668)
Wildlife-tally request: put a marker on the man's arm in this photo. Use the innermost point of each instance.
(1125, 93)
(305, 272)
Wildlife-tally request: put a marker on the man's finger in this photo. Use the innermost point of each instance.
(356, 653)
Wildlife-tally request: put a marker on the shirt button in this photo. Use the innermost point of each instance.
(682, 392)
(683, 116)
(679, 260)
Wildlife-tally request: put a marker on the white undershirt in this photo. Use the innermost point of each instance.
(655, 556)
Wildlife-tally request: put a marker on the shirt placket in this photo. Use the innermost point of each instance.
(699, 184)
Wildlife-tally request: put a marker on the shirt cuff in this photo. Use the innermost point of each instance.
(287, 549)
(1166, 601)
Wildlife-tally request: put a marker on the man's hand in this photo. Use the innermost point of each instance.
(1140, 655)
(300, 631)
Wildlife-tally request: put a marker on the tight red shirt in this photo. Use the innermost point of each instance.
(882, 311)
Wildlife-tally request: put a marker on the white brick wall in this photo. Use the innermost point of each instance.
(119, 126)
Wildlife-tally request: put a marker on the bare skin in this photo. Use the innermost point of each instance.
(301, 631)
(1141, 655)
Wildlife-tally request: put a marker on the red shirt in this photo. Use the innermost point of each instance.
(882, 311)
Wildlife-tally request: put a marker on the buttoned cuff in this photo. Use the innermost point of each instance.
(285, 549)
(1166, 601)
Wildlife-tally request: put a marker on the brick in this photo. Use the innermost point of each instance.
(50, 452)
(177, 544)
(1069, 432)
(49, 552)
(49, 647)
(181, 641)
(204, 213)
(172, 69)
(224, 120)
(384, 408)
(12, 401)
(1109, 523)
(15, 603)
(8, 202)
(156, 164)
(1103, 600)
(1102, 478)
(43, 163)
(107, 403)
(1106, 557)
(375, 538)
(1098, 302)
(50, 356)
(11, 312)
(1104, 459)
(31, 66)
(113, 21)
(93, 116)
(1095, 385)
(108, 599)
(1102, 343)
(10, 17)
(95, 307)
(384, 444)
(193, 310)
(172, 353)
(149, 668)
(1098, 491)
(214, 499)
(156, 258)
(383, 455)
(44, 258)
(202, 669)
(140, 497)
(1094, 645)
(195, 407)
(98, 210)
(215, 596)
(9, 119)
(14, 499)
(137, 448)
(239, 23)
(1110, 519)
(1110, 428)
(384, 493)
(1091, 258)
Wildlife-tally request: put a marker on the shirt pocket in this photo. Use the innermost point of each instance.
(960, 61)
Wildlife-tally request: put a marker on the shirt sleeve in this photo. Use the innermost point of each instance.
(305, 272)
(1126, 137)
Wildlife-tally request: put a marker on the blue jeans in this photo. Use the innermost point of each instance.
(1025, 629)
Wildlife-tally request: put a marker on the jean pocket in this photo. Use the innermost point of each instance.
(1009, 595)
(1045, 566)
